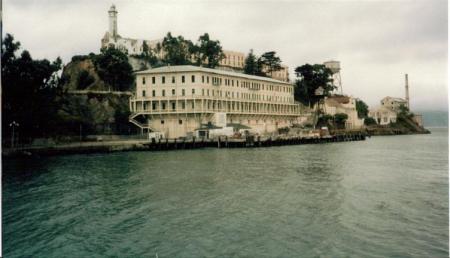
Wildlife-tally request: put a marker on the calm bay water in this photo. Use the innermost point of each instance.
(384, 197)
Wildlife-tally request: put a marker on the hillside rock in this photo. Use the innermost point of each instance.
(81, 75)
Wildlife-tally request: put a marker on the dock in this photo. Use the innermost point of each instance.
(179, 144)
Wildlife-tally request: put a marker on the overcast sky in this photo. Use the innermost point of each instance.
(377, 42)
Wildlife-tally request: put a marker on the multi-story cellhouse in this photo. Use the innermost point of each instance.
(178, 100)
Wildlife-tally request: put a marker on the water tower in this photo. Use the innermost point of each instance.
(335, 67)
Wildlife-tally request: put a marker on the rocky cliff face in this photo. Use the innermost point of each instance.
(404, 125)
(88, 104)
(81, 75)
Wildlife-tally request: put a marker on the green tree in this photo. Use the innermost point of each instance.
(30, 89)
(404, 110)
(369, 121)
(313, 83)
(361, 108)
(84, 80)
(208, 52)
(148, 54)
(113, 68)
(340, 119)
(271, 62)
(253, 65)
(177, 50)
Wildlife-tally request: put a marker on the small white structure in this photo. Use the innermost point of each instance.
(225, 131)
(155, 135)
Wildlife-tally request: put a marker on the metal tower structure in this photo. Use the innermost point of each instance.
(335, 67)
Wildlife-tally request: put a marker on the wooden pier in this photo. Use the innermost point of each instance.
(179, 144)
(248, 142)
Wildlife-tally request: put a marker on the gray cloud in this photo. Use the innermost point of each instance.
(376, 41)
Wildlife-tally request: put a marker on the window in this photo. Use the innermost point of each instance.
(153, 80)
(193, 105)
(180, 122)
(182, 79)
(183, 92)
(203, 78)
(163, 93)
(163, 79)
(173, 92)
(207, 79)
(193, 91)
(162, 122)
(183, 105)
(193, 78)
(163, 105)
(173, 105)
(154, 106)
(153, 93)
(143, 93)
(203, 92)
(143, 80)
(173, 79)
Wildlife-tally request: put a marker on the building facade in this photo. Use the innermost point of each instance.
(347, 105)
(233, 60)
(393, 103)
(178, 100)
(383, 115)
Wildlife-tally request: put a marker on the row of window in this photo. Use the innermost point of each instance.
(230, 106)
(180, 121)
(217, 81)
(228, 94)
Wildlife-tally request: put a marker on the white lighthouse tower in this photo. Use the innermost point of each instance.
(113, 21)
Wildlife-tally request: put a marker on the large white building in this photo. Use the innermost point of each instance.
(233, 60)
(179, 100)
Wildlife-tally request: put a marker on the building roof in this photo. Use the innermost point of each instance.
(340, 99)
(191, 68)
(394, 99)
(382, 109)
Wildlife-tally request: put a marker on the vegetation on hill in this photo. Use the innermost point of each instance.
(313, 84)
(38, 100)
(264, 65)
(252, 66)
(362, 108)
(113, 68)
(30, 90)
(180, 51)
(207, 52)
(332, 122)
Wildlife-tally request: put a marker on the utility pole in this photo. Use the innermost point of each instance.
(13, 124)
(407, 91)
(81, 128)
